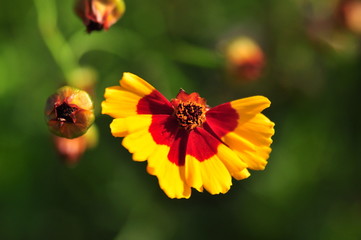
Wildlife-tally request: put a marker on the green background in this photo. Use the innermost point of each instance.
(311, 186)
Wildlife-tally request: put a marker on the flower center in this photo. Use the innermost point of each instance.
(64, 113)
(190, 115)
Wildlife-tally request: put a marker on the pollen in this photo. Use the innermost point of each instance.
(190, 115)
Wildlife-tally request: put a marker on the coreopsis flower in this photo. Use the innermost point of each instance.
(349, 13)
(99, 14)
(69, 112)
(187, 143)
(245, 58)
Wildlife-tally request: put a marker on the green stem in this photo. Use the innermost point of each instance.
(55, 41)
(196, 55)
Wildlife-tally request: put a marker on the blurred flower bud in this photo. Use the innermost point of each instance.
(71, 150)
(99, 14)
(69, 112)
(349, 12)
(245, 58)
(84, 78)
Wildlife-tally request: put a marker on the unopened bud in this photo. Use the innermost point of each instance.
(71, 150)
(84, 78)
(245, 58)
(99, 14)
(349, 12)
(69, 112)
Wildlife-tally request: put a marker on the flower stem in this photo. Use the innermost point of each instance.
(197, 56)
(53, 38)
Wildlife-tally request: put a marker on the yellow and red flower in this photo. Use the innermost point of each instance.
(187, 143)
(99, 14)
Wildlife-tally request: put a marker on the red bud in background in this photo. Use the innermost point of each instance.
(245, 58)
(349, 13)
(71, 150)
(99, 14)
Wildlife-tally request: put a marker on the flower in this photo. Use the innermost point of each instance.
(69, 112)
(245, 58)
(99, 14)
(187, 143)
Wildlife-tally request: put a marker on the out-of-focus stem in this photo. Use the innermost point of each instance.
(196, 55)
(55, 41)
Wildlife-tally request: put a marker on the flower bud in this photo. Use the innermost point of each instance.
(349, 12)
(245, 58)
(71, 150)
(84, 78)
(69, 112)
(99, 14)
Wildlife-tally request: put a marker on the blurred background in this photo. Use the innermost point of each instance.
(310, 68)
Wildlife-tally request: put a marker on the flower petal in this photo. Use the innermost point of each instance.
(224, 118)
(233, 163)
(134, 96)
(122, 101)
(154, 103)
(252, 140)
(163, 129)
(140, 144)
(242, 175)
(235, 166)
(203, 166)
(193, 174)
(170, 176)
(177, 152)
(120, 127)
(119, 102)
(248, 107)
(135, 84)
(240, 125)
(201, 144)
(138, 140)
(215, 176)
